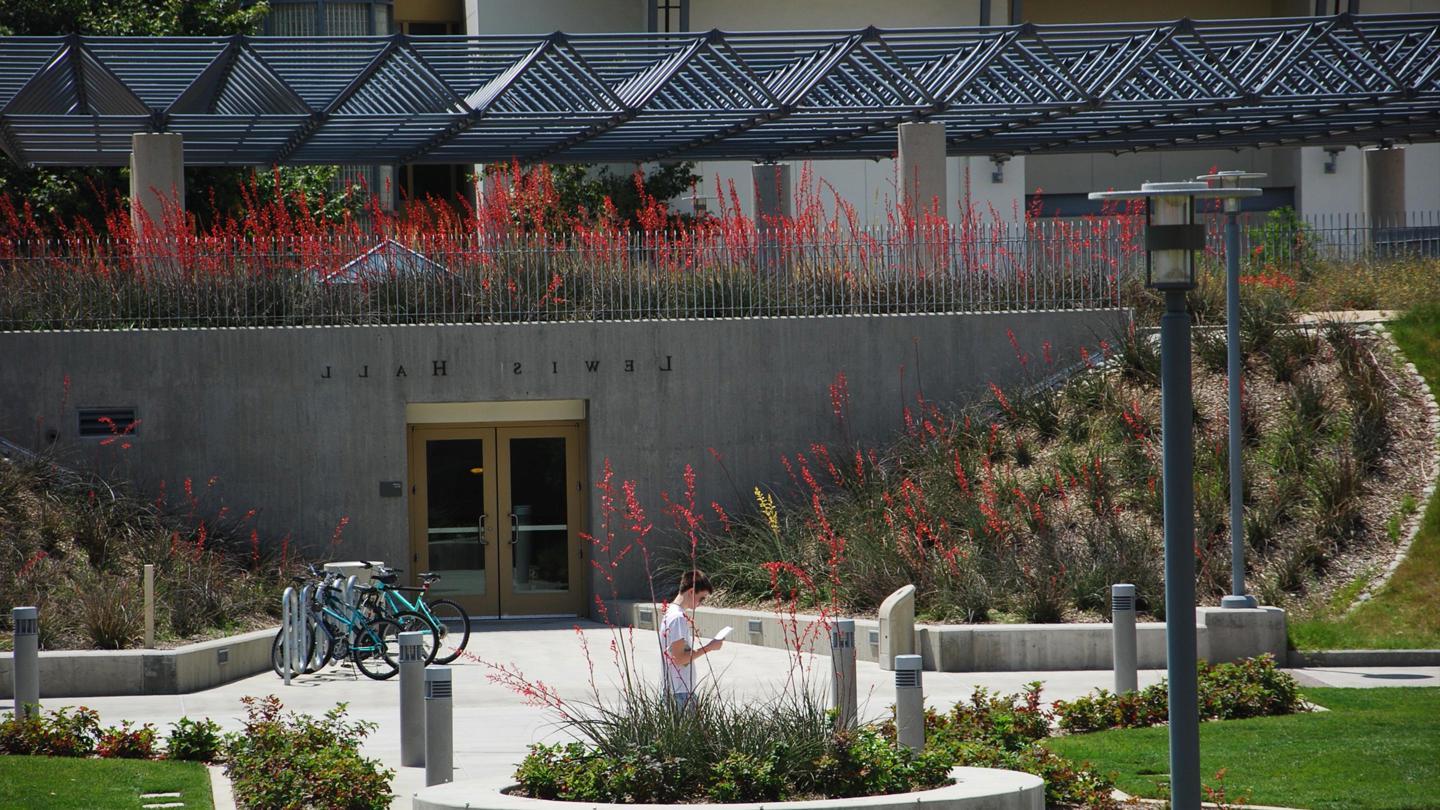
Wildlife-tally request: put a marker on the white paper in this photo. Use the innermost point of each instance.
(724, 633)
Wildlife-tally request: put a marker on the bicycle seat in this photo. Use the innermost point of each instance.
(387, 579)
(429, 576)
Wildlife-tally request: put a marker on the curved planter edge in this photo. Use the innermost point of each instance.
(973, 789)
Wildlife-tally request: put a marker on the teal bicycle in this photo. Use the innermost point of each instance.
(450, 621)
(338, 630)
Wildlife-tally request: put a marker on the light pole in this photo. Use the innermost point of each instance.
(1235, 377)
(1171, 239)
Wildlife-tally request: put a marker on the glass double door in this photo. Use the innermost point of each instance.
(496, 512)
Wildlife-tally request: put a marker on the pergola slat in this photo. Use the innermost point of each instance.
(761, 95)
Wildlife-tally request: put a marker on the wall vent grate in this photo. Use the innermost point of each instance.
(99, 423)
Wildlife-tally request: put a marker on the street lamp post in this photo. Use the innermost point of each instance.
(1238, 598)
(1171, 239)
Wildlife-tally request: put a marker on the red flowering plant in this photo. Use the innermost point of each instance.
(524, 251)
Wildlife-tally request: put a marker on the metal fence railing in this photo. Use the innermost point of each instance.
(1037, 264)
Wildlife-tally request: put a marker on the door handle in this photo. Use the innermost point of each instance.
(480, 529)
(514, 530)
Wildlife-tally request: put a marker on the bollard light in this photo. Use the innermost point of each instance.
(412, 698)
(439, 727)
(1122, 619)
(1235, 377)
(909, 702)
(26, 660)
(1171, 239)
(843, 688)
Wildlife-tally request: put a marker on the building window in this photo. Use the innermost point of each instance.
(328, 18)
(669, 15)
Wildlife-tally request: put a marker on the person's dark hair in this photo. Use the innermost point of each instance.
(695, 579)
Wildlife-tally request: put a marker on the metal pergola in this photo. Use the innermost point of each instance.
(245, 100)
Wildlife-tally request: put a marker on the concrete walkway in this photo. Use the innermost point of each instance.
(493, 725)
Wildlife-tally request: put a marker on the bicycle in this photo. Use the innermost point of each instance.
(442, 613)
(339, 629)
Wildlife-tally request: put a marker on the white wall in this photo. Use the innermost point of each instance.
(741, 15)
(1318, 193)
(979, 192)
(544, 16)
(1422, 177)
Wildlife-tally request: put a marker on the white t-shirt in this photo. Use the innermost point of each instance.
(675, 626)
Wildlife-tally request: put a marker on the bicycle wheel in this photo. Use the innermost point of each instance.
(411, 621)
(376, 649)
(454, 625)
(322, 639)
(277, 656)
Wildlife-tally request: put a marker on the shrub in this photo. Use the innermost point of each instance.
(1010, 721)
(1336, 492)
(865, 762)
(197, 741)
(1066, 783)
(110, 609)
(126, 742)
(1264, 314)
(1211, 350)
(1253, 687)
(58, 733)
(1139, 356)
(1102, 709)
(862, 762)
(1290, 352)
(746, 778)
(297, 760)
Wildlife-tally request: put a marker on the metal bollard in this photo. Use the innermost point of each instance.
(149, 586)
(909, 702)
(439, 727)
(843, 688)
(1122, 617)
(26, 660)
(412, 698)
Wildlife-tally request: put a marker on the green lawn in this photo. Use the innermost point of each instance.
(60, 783)
(1376, 749)
(1405, 614)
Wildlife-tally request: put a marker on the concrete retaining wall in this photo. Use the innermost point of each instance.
(1223, 635)
(974, 789)
(91, 673)
(308, 424)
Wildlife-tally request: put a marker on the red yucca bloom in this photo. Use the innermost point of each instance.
(30, 564)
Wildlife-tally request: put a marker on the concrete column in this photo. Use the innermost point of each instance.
(1385, 187)
(921, 166)
(897, 626)
(774, 194)
(157, 178)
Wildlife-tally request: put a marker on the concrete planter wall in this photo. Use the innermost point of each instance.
(1223, 635)
(90, 673)
(974, 789)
